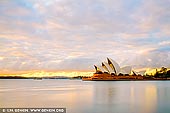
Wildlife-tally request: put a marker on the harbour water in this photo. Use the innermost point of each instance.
(87, 96)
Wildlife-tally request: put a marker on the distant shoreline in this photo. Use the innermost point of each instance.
(77, 78)
(9, 77)
(36, 78)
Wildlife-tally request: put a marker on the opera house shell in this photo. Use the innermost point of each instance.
(111, 70)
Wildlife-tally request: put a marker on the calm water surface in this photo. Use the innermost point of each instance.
(88, 97)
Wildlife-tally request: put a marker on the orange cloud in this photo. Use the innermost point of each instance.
(50, 74)
(13, 36)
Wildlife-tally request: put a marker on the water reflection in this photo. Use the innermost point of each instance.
(88, 97)
(103, 93)
(113, 96)
(144, 97)
(150, 99)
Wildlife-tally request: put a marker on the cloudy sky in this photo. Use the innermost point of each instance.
(76, 34)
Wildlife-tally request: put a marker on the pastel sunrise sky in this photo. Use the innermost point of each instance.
(55, 35)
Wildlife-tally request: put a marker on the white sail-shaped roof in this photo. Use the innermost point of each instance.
(142, 72)
(98, 68)
(138, 72)
(107, 66)
(102, 69)
(115, 66)
(126, 70)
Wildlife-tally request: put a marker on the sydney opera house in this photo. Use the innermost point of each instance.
(111, 70)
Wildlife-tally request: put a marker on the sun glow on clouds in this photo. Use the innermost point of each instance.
(51, 74)
(76, 34)
(1, 58)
